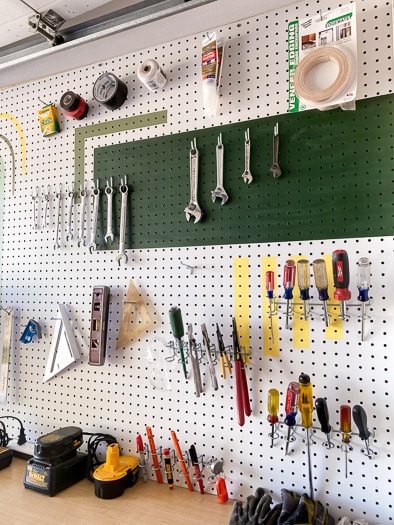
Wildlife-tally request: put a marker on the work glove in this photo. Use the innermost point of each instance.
(304, 512)
(289, 504)
(252, 512)
(273, 515)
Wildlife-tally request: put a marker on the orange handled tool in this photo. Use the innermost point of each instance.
(181, 461)
(153, 452)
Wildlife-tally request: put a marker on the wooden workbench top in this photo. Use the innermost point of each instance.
(145, 503)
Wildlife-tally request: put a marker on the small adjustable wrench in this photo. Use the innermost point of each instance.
(109, 191)
(58, 213)
(82, 194)
(69, 233)
(219, 191)
(193, 208)
(34, 196)
(123, 188)
(45, 223)
(93, 228)
(275, 168)
(247, 176)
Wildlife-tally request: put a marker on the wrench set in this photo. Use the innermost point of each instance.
(41, 218)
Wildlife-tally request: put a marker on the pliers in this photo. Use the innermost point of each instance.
(224, 359)
(241, 384)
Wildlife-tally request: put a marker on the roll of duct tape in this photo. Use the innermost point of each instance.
(110, 91)
(336, 88)
(151, 75)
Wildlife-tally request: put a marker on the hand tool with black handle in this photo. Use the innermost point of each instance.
(360, 419)
(323, 417)
(196, 466)
(340, 268)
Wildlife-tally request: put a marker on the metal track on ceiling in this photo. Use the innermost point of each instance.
(125, 19)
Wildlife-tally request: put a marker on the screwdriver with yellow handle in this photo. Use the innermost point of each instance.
(346, 431)
(273, 409)
(306, 409)
(304, 284)
(321, 283)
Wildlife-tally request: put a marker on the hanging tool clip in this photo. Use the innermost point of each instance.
(32, 329)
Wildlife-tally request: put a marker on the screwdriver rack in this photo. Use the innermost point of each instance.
(335, 192)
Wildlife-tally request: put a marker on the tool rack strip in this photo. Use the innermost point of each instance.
(188, 269)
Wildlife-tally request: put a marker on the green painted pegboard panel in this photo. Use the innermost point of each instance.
(337, 180)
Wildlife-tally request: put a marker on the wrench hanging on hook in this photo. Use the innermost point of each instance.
(123, 188)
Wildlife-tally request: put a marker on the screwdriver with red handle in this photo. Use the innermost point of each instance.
(291, 407)
(346, 431)
(340, 268)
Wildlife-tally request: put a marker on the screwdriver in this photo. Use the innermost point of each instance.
(346, 429)
(178, 332)
(288, 284)
(363, 284)
(273, 408)
(323, 417)
(270, 285)
(306, 408)
(291, 407)
(321, 282)
(360, 418)
(304, 283)
(340, 268)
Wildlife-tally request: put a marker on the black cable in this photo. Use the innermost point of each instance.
(4, 439)
(22, 435)
(94, 442)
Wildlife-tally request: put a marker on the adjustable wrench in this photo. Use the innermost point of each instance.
(58, 213)
(69, 233)
(123, 188)
(93, 228)
(275, 168)
(219, 191)
(82, 194)
(247, 176)
(109, 191)
(193, 208)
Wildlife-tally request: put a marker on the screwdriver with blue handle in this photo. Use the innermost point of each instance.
(178, 332)
(291, 408)
(288, 284)
(269, 286)
(306, 409)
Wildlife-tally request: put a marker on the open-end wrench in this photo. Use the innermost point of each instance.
(193, 208)
(123, 188)
(69, 233)
(82, 194)
(58, 213)
(109, 191)
(247, 176)
(219, 191)
(93, 229)
(275, 168)
(45, 223)
(34, 196)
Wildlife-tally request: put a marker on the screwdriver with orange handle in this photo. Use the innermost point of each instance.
(291, 408)
(346, 431)
(269, 286)
(181, 460)
(340, 268)
(306, 409)
(321, 283)
(273, 409)
(288, 284)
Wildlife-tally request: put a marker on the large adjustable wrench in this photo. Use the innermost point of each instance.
(69, 233)
(93, 227)
(193, 208)
(123, 188)
(275, 168)
(82, 194)
(219, 191)
(109, 191)
(247, 175)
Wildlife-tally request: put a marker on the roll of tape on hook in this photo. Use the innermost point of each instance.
(313, 59)
(151, 75)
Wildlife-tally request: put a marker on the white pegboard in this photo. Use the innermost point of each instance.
(119, 397)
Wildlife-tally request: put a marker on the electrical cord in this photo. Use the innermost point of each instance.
(4, 438)
(314, 58)
(93, 461)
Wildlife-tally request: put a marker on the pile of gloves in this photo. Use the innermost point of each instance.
(294, 509)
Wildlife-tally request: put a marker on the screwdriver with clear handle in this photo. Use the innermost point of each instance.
(270, 285)
(321, 283)
(291, 408)
(306, 409)
(273, 409)
(360, 419)
(363, 284)
(289, 275)
(324, 420)
(346, 431)
(340, 268)
(304, 283)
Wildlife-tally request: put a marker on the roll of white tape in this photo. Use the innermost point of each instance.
(337, 87)
(151, 75)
